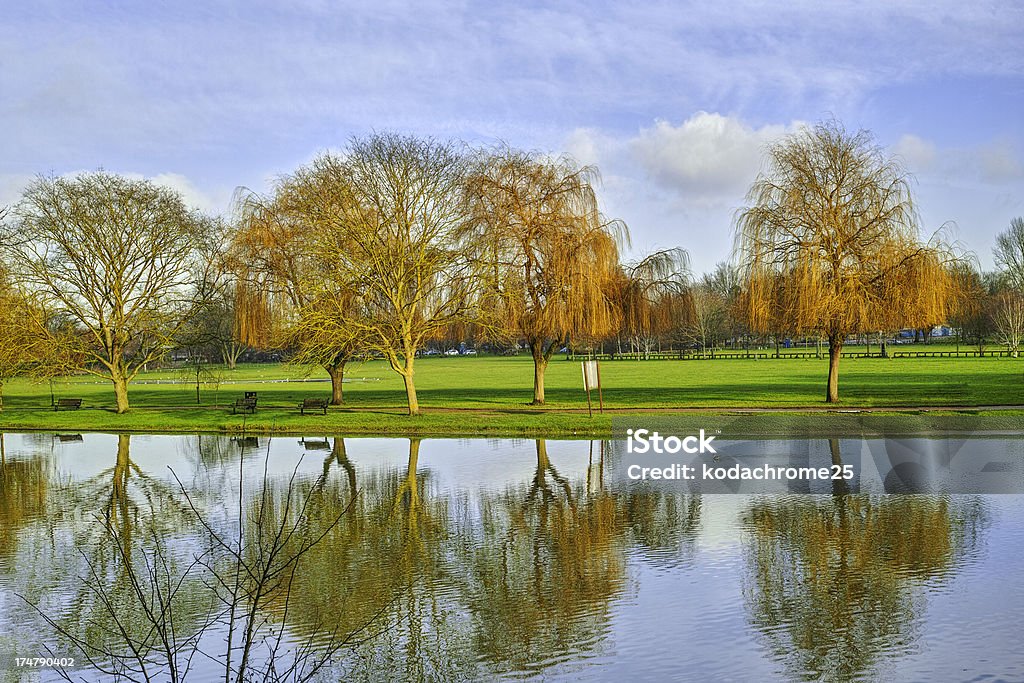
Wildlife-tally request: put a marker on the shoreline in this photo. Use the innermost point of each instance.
(561, 423)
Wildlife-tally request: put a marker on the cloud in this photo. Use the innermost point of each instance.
(192, 195)
(11, 187)
(708, 156)
(918, 154)
(999, 163)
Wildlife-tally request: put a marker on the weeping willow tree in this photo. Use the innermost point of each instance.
(829, 244)
(21, 344)
(553, 258)
(651, 296)
(286, 296)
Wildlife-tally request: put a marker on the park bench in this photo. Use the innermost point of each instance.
(67, 404)
(244, 405)
(313, 404)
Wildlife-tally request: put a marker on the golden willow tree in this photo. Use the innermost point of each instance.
(652, 296)
(25, 345)
(114, 257)
(553, 259)
(285, 295)
(829, 244)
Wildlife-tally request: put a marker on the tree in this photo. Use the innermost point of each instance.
(114, 256)
(288, 291)
(650, 296)
(401, 244)
(215, 326)
(24, 349)
(829, 244)
(1008, 318)
(973, 311)
(726, 284)
(1009, 253)
(553, 258)
(704, 325)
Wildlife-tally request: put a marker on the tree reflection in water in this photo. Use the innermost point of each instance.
(541, 568)
(23, 490)
(121, 619)
(378, 574)
(836, 583)
(445, 587)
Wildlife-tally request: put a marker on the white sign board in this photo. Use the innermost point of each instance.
(591, 378)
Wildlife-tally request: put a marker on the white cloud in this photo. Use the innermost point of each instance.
(11, 187)
(995, 163)
(918, 154)
(707, 157)
(192, 195)
(999, 163)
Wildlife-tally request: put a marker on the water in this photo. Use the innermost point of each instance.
(496, 559)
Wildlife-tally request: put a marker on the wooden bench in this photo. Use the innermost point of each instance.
(245, 405)
(67, 404)
(313, 404)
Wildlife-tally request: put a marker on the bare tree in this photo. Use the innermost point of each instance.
(158, 613)
(1009, 253)
(215, 325)
(829, 244)
(1008, 317)
(402, 245)
(553, 258)
(114, 256)
(704, 325)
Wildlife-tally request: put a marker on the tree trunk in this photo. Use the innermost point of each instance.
(410, 388)
(1, 394)
(120, 393)
(540, 364)
(840, 487)
(337, 373)
(228, 354)
(835, 347)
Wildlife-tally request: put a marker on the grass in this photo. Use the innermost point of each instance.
(486, 395)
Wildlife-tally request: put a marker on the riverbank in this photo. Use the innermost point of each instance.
(485, 396)
(527, 422)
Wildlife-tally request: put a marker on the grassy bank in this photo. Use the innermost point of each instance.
(481, 396)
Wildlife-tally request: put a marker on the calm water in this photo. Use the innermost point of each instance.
(516, 559)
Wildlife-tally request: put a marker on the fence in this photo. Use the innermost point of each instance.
(759, 355)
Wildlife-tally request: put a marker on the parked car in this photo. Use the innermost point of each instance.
(451, 352)
(470, 352)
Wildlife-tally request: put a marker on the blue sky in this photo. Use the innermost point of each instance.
(674, 102)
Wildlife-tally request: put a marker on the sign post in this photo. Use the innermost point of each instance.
(591, 381)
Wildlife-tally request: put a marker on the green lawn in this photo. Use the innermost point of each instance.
(499, 389)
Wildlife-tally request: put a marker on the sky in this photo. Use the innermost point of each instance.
(674, 102)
